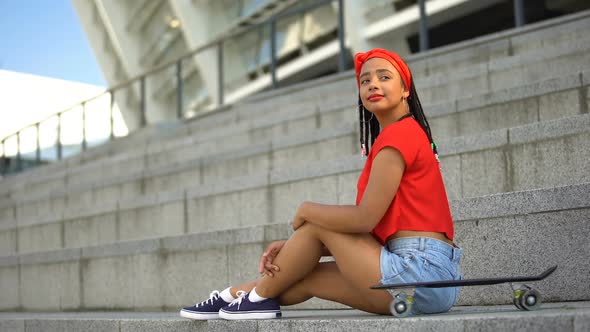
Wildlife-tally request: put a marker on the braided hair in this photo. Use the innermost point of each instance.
(369, 125)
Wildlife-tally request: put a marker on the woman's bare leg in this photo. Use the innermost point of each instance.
(357, 260)
(328, 283)
(246, 287)
(325, 282)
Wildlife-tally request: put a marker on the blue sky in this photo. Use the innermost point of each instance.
(45, 37)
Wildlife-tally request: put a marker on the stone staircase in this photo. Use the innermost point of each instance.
(156, 220)
(572, 316)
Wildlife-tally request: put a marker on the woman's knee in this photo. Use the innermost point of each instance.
(311, 229)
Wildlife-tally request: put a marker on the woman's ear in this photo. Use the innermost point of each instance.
(405, 93)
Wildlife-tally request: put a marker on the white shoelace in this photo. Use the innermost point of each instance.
(241, 295)
(212, 297)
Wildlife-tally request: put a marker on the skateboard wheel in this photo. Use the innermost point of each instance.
(530, 300)
(516, 301)
(401, 306)
(520, 295)
(517, 297)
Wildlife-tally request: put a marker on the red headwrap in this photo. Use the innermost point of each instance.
(393, 58)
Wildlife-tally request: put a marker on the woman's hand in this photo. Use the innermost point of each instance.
(270, 253)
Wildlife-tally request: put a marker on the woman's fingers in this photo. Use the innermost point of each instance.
(270, 268)
(265, 266)
(268, 271)
(263, 261)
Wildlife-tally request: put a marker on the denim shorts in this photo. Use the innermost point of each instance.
(417, 259)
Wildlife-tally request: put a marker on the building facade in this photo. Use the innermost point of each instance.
(130, 38)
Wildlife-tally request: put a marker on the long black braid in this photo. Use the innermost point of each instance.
(369, 126)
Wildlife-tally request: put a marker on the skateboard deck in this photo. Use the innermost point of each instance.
(525, 297)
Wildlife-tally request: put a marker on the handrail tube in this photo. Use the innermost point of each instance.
(519, 19)
(84, 143)
(179, 90)
(18, 154)
(199, 49)
(142, 103)
(38, 149)
(273, 53)
(112, 122)
(58, 141)
(220, 71)
(341, 37)
(3, 160)
(423, 26)
(215, 41)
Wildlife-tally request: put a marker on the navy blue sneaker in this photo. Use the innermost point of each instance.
(208, 309)
(242, 308)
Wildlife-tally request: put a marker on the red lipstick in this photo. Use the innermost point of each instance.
(375, 97)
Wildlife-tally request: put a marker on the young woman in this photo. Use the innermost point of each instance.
(400, 229)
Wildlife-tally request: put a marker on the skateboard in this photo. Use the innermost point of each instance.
(524, 297)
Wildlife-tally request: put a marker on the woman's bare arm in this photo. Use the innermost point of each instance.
(386, 173)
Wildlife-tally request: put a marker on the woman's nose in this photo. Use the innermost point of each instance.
(372, 85)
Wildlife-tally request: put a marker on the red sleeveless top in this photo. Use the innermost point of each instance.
(420, 203)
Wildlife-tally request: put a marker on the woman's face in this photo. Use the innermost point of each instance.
(381, 87)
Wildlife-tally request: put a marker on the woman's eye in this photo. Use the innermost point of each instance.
(364, 81)
(384, 77)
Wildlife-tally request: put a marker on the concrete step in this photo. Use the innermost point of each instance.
(458, 65)
(504, 160)
(270, 117)
(120, 145)
(562, 316)
(526, 104)
(477, 78)
(504, 73)
(504, 234)
(530, 103)
(566, 29)
(528, 39)
(486, 76)
(511, 107)
(498, 161)
(307, 115)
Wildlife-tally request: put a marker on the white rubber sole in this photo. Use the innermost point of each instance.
(198, 316)
(249, 315)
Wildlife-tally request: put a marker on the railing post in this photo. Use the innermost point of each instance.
(143, 120)
(58, 142)
(519, 19)
(273, 55)
(3, 160)
(341, 37)
(19, 159)
(179, 90)
(423, 26)
(84, 142)
(112, 122)
(38, 150)
(220, 72)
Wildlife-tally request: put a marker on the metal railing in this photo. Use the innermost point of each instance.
(17, 162)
